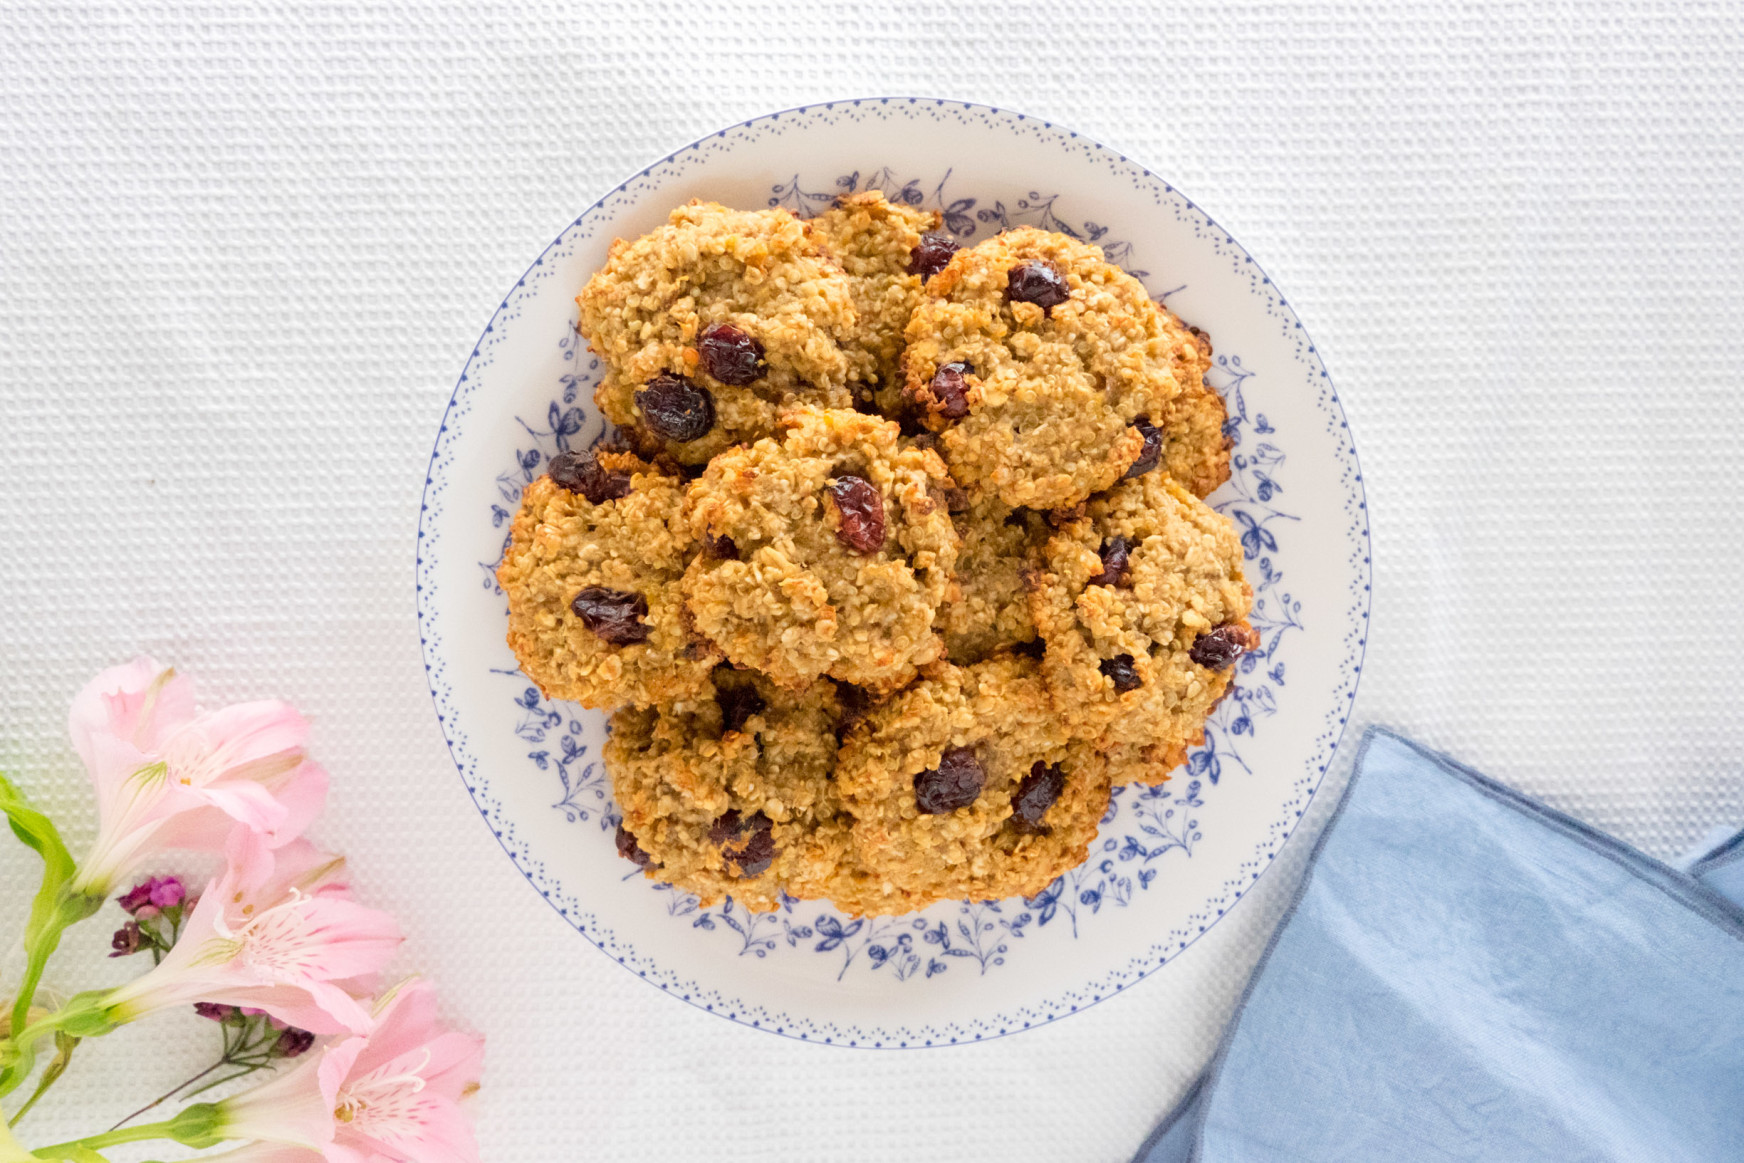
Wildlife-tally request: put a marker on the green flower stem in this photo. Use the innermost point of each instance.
(137, 1134)
(18, 1054)
(65, 1045)
(11, 1150)
(41, 943)
(196, 1126)
(56, 906)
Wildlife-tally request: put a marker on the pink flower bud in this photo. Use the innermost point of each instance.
(167, 892)
(292, 1043)
(136, 897)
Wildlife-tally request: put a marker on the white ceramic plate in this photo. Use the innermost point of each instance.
(1169, 861)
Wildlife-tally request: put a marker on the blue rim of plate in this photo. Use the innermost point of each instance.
(978, 1030)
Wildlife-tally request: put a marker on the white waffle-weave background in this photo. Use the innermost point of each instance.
(244, 250)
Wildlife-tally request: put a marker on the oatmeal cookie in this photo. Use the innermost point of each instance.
(887, 249)
(826, 552)
(1195, 449)
(967, 786)
(1152, 763)
(1036, 360)
(713, 323)
(1144, 611)
(1000, 546)
(591, 571)
(731, 794)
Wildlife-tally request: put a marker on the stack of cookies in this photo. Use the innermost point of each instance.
(897, 562)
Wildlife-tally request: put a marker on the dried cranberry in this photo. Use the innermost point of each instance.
(954, 783)
(930, 256)
(730, 355)
(580, 472)
(1116, 555)
(1152, 453)
(1035, 795)
(956, 499)
(1060, 518)
(748, 842)
(1218, 649)
(951, 391)
(861, 507)
(1120, 669)
(676, 409)
(854, 703)
(737, 705)
(1040, 283)
(630, 850)
(614, 615)
(722, 547)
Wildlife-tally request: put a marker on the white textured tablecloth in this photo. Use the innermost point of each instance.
(245, 249)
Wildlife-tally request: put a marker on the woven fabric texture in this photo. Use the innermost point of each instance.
(245, 249)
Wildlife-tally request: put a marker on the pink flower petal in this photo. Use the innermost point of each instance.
(167, 777)
(138, 701)
(302, 793)
(266, 1153)
(456, 1064)
(441, 1133)
(246, 733)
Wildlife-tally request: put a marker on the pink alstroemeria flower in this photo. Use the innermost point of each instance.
(276, 932)
(391, 1096)
(168, 775)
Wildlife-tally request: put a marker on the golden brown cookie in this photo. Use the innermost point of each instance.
(965, 785)
(711, 324)
(1195, 449)
(1144, 610)
(1035, 359)
(827, 552)
(876, 243)
(591, 571)
(991, 612)
(730, 794)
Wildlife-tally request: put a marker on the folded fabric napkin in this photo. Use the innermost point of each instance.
(1468, 975)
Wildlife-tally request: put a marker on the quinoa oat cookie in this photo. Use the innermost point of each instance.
(966, 785)
(730, 793)
(991, 613)
(591, 571)
(1033, 358)
(1144, 611)
(828, 552)
(1195, 448)
(1152, 763)
(711, 324)
(876, 241)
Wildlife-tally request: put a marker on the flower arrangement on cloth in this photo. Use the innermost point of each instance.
(273, 950)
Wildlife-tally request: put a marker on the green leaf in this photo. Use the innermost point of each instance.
(52, 911)
(39, 832)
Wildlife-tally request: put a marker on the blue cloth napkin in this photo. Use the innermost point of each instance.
(1468, 975)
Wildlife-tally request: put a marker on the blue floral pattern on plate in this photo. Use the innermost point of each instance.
(1156, 820)
(1146, 832)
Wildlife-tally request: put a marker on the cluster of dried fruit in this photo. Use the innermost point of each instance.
(897, 563)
